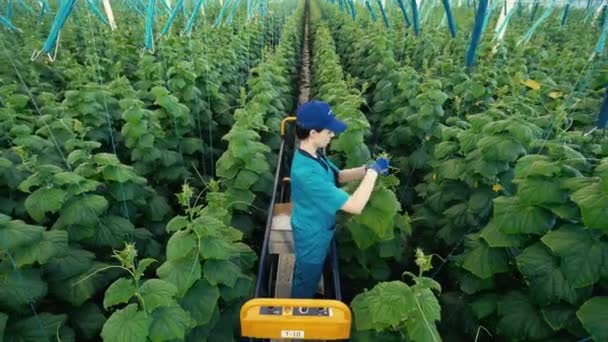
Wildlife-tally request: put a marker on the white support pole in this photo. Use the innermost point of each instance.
(598, 11)
(109, 14)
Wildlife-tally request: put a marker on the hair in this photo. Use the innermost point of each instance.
(303, 133)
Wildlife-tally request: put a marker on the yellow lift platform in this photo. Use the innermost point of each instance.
(271, 315)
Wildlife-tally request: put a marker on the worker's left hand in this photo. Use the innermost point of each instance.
(381, 166)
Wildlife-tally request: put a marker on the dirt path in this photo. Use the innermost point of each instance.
(305, 71)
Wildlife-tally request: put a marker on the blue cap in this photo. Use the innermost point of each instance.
(318, 115)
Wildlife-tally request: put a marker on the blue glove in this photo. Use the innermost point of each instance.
(380, 165)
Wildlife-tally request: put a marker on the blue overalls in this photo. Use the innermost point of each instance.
(316, 199)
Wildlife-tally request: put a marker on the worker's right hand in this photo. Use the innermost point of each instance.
(380, 165)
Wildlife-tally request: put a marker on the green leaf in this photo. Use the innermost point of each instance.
(514, 217)
(542, 270)
(536, 165)
(583, 255)
(119, 173)
(82, 287)
(534, 191)
(119, 292)
(519, 319)
(41, 327)
(453, 168)
(593, 314)
(477, 90)
(500, 147)
(182, 273)
(44, 201)
(495, 238)
(180, 244)
(216, 248)
(421, 323)
(482, 260)
(245, 179)
(157, 293)
(558, 316)
(112, 231)
(363, 236)
(445, 148)
(3, 320)
(470, 283)
(169, 323)
(388, 303)
(54, 243)
(157, 208)
(83, 210)
(17, 233)
(127, 325)
(103, 159)
(484, 305)
(144, 264)
(200, 301)
(362, 315)
(242, 289)
(221, 272)
(73, 261)
(594, 206)
(177, 223)
(20, 287)
(88, 320)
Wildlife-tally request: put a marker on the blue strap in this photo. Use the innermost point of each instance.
(178, 6)
(232, 10)
(192, 20)
(383, 13)
(62, 15)
(148, 41)
(352, 9)
(9, 11)
(540, 20)
(448, 12)
(340, 6)
(7, 23)
(506, 21)
(95, 10)
(371, 10)
(520, 9)
(134, 6)
(477, 29)
(166, 6)
(252, 7)
(220, 16)
(27, 7)
(416, 17)
(534, 9)
(599, 47)
(566, 10)
(43, 10)
(487, 18)
(404, 11)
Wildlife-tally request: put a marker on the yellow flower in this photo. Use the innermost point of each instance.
(434, 176)
(496, 187)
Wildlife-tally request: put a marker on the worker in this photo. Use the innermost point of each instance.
(316, 195)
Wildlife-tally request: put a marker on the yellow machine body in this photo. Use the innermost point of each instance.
(289, 318)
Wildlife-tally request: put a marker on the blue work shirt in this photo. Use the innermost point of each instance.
(316, 198)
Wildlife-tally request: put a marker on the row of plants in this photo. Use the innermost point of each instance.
(92, 149)
(501, 179)
(368, 241)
